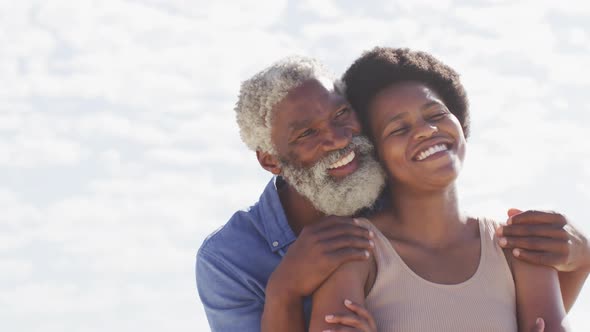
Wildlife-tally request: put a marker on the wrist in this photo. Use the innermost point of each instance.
(281, 289)
(282, 307)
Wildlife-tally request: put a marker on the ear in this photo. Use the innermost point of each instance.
(269, 162)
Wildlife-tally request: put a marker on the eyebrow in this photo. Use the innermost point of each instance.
(423, 108)
(296, 125)
(299, 124)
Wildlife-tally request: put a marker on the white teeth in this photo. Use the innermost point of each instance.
(344, 161)
(430, 151)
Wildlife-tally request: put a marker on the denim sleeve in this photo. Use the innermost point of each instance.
(229, 304)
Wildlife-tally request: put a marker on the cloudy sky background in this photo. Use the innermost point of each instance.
(119, 151)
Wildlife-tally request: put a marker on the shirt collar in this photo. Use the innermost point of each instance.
(274, 221)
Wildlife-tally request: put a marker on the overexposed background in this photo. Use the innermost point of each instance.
(119, 151)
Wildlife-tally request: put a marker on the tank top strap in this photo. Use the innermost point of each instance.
(487, 231)
(385, 255)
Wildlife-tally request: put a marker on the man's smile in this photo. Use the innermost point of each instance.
(343, 161)
(344, 166)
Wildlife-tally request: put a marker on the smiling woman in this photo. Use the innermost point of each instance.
(417, 134)
(429, 257)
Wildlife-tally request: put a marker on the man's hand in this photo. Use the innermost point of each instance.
(545, 238)
(359, 320)
(317, 252)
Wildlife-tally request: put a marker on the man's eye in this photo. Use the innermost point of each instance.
(342, 112)
(305, 133)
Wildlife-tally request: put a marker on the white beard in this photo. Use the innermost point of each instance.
(344, 197)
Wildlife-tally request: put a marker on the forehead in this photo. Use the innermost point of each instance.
(309, 99)
(398, 96)
(309, 90)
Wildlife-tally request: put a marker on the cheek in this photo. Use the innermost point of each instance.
(462, 148)
(304, 155)
(391, 155)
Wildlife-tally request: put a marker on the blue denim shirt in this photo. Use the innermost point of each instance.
(235, 262)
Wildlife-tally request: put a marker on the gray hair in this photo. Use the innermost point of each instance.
(261, 93)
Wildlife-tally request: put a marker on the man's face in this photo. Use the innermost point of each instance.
(321, 153)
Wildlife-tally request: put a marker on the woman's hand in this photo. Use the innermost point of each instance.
(539, 325)
(359, 320)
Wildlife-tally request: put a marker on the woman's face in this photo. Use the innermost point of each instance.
(418, 140)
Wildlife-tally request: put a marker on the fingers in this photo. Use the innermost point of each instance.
(536, 244)
(513, 211)
(361, 311)
(337, 233)
(343, 255)
(341, 229)
(347, 241)
(348, 320)
(359, 319)
(533, 230)
(538, 258)
(538, 217)
(345, 237)
(539, 325)
(342, 329)
(330, 221)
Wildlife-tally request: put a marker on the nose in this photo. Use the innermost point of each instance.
(337, 137)
(425, 130)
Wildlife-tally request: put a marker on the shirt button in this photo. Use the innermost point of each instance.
(275, 244)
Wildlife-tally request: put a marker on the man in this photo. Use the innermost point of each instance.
(258, 271)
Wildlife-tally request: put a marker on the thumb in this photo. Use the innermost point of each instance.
(539, 325)
(513, 212)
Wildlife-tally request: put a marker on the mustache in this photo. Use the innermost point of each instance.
(342, 197)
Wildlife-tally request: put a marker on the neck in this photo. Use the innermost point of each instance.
(298, 209)
(430, 218)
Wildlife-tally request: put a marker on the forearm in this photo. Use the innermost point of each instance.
(283, 311)
(538, 295)
(571, 284)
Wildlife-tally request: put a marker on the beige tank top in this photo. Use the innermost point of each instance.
(400, 300)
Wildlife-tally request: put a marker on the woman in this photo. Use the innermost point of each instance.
(448, 271)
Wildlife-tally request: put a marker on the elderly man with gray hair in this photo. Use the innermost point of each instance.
(303, 132)
(258, 271)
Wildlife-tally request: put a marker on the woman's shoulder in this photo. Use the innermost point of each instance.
(488, 226)
(489, 231)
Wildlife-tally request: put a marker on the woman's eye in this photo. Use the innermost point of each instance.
(438, 116)
(398, 131)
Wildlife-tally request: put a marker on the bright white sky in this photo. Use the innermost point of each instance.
(119, 151)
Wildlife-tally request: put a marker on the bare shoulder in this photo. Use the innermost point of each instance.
(360, 273)
(349, 281)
